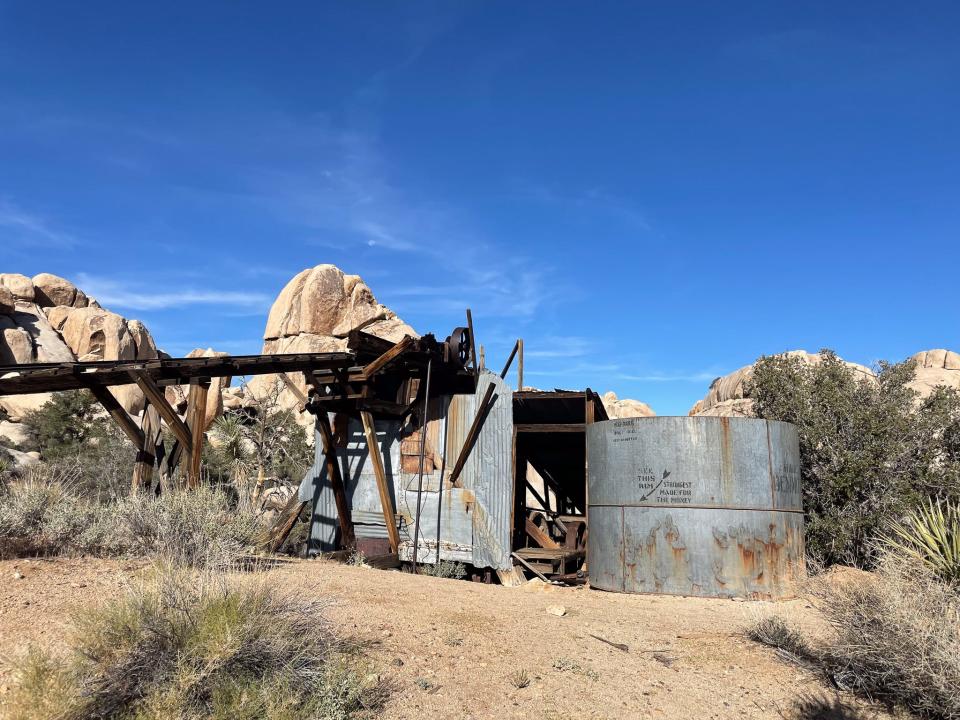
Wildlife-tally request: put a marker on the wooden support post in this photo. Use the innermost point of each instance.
(286, 521)
(483, 359)
(196, 414)
(143, 469)
(386, 358)
(120, 416)
(588, 417)
(473, 342)
(520, 366)
(344, 515)
(157, 400)
(373, 449)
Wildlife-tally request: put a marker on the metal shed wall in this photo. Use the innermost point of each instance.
(475, 519)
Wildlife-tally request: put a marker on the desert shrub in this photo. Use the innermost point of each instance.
(196, 527)
(869, 450)
(444, 569)
(65, 423)
(183, 647)
(43, 514)
(931, 534)
(895, 635)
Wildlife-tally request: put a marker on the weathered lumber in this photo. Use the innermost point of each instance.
(196, 412)
(549, 427)
(539, 536)
(473, 343)
(344, 514)
(119, 415)
(386, 358)
(529, 567)
(373, 449)
(143, 467)
(520, 365)
(297, 392)
(288, 518)
(156, 398)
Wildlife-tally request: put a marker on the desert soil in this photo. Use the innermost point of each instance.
(455, 649)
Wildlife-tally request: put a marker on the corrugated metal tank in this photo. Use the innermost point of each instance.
(707, 506)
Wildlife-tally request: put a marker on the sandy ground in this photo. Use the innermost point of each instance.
(454, 649)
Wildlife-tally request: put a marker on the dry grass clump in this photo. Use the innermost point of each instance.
(895, 635)
(44, 514)
(179, 647)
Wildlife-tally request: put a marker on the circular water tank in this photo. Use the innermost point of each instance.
(706, 506)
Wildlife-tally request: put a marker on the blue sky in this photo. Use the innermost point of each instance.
(651, 194)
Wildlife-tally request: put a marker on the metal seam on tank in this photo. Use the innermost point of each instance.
(688, 506)
(623, 552)
(773, 492)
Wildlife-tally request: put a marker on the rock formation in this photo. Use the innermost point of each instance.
(728, 396)
(315, 312)
(625, 408)
(936, 367)
(49, 320)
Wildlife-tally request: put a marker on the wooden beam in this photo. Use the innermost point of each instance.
(386, 358)
(529, 567)
(513, 354)
(288, 518)
(373, 449)
(473, 342)
(483, 364)
(520, 365)
(196, 412)
(539, 536)
(344, 514)
(472, 434)
(549, 427)
(297, 392)
(143, 468)
(158, 401)
(119, 415)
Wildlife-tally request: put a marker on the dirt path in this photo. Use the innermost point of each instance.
(455, 649)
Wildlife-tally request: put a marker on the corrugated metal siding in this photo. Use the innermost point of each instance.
(474, 520)
(488, 474)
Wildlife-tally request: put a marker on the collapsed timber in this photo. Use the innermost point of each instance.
(422, 455)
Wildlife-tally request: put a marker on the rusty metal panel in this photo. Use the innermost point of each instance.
(695, 506)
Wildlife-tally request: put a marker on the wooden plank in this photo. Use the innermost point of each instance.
(512, 577)
(473, 342)
(373, 448)
(119, 415)
(297, 392)
(288, 519)
(143, 467)
(472, 434)
(344, 514)
(386, 358)
(539, 536)
(550, 427)
(158, 401)
(520, 366)
(506, 365)
(529, 567)
(196, 411)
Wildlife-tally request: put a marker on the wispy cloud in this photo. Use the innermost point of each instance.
(704, 376)
(29, 228)
(114, 294)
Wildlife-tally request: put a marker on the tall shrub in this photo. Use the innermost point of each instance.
(870, 450)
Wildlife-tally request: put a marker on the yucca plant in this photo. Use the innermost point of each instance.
(931, 534)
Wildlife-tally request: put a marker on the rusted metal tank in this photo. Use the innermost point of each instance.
(707, 506)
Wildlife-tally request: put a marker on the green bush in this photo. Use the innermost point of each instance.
(869, 450)
(183, 647)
